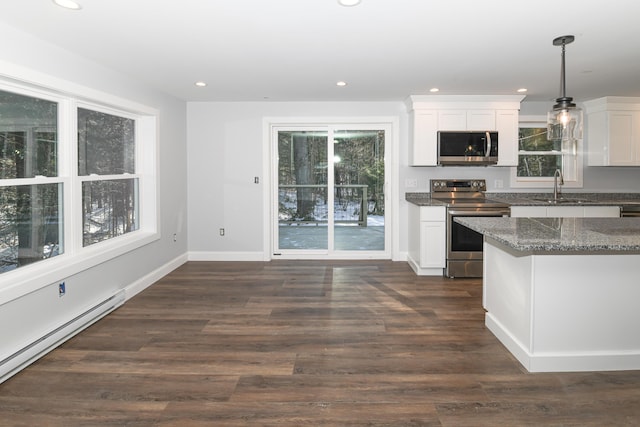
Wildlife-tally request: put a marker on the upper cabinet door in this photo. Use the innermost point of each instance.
(452, 120)
(622, 138)
(482, 120)
(508, 132)
(613, 131)
(423, 150)
(473, 120)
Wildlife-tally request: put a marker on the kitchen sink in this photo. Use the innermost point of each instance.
(562, 201)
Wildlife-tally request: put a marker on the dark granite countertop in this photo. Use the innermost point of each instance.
(560, 235)
(576, 199)
(422, 199)
(542, 199)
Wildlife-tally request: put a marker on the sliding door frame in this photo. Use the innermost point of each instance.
(390, 124)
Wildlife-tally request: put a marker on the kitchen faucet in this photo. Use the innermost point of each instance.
(557, 174)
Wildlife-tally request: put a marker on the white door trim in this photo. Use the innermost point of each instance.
(392, 144)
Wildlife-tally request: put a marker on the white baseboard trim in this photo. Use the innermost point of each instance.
(586, 361)
(260, 256)
(420, 271)
(157, 274)
(400, 256)
(226, 256)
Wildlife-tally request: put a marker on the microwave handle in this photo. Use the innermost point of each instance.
(486, 154)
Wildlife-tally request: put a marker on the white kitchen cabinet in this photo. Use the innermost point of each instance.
(565, 211)
(528, 211)
(429, 114)
(602, 211)
(572, 211)
(481, 120)
(432, 248)
(613, 131)
(508, 129)
(452, 120)
(427, 239)
(463, 120)
(423, 127)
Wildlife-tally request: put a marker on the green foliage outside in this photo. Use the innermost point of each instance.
(545, 155)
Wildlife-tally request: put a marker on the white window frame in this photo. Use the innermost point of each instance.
(571, 163)
(77, 258)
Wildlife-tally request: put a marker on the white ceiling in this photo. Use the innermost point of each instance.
(296, 50)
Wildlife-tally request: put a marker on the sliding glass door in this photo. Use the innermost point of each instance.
(329, 192)
(303, 199)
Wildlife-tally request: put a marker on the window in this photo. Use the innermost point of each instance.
(106, 154)
(539, 158)
(72, 177)
(30, 192)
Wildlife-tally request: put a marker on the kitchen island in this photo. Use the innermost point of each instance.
(562, 294)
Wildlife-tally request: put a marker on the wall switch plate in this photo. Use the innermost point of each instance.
(410, 183)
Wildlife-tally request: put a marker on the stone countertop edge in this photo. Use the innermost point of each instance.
(422, 199)
(560, 235)
(537, 199)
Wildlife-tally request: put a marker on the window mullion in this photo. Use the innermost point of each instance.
(68, 155)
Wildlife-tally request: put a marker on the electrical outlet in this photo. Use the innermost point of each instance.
(175, 237)
(62, 289)
(410, 183)
(222, 231)
(498, 183)
(256, 180)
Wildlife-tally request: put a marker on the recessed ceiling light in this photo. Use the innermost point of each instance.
(68, 4)
(434, 89)
(200, 84)
(341, 83)
(349, 2)
(522, 89)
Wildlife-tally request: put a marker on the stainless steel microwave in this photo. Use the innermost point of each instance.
(467, 148)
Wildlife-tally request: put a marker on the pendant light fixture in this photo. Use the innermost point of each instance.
(564, 121)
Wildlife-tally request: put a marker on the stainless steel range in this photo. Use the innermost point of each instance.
(464, 246)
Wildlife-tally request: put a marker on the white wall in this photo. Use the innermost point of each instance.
(225, 153)
(31, 314)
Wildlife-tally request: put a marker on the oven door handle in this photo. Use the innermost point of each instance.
(503, 212)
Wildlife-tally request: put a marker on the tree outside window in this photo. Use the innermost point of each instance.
(539, 158)
(106, 161)
(30, 192)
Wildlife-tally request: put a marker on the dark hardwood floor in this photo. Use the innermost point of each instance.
(294, 343)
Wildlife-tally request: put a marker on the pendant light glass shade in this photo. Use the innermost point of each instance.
(564, 121)
(564, 124)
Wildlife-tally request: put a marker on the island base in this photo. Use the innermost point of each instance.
(564, 312)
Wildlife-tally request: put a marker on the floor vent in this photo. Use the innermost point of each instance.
(38, 348)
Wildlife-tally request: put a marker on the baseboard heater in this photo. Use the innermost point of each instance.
(38, 348)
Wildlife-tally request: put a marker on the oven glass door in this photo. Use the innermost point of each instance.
(462, 242)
